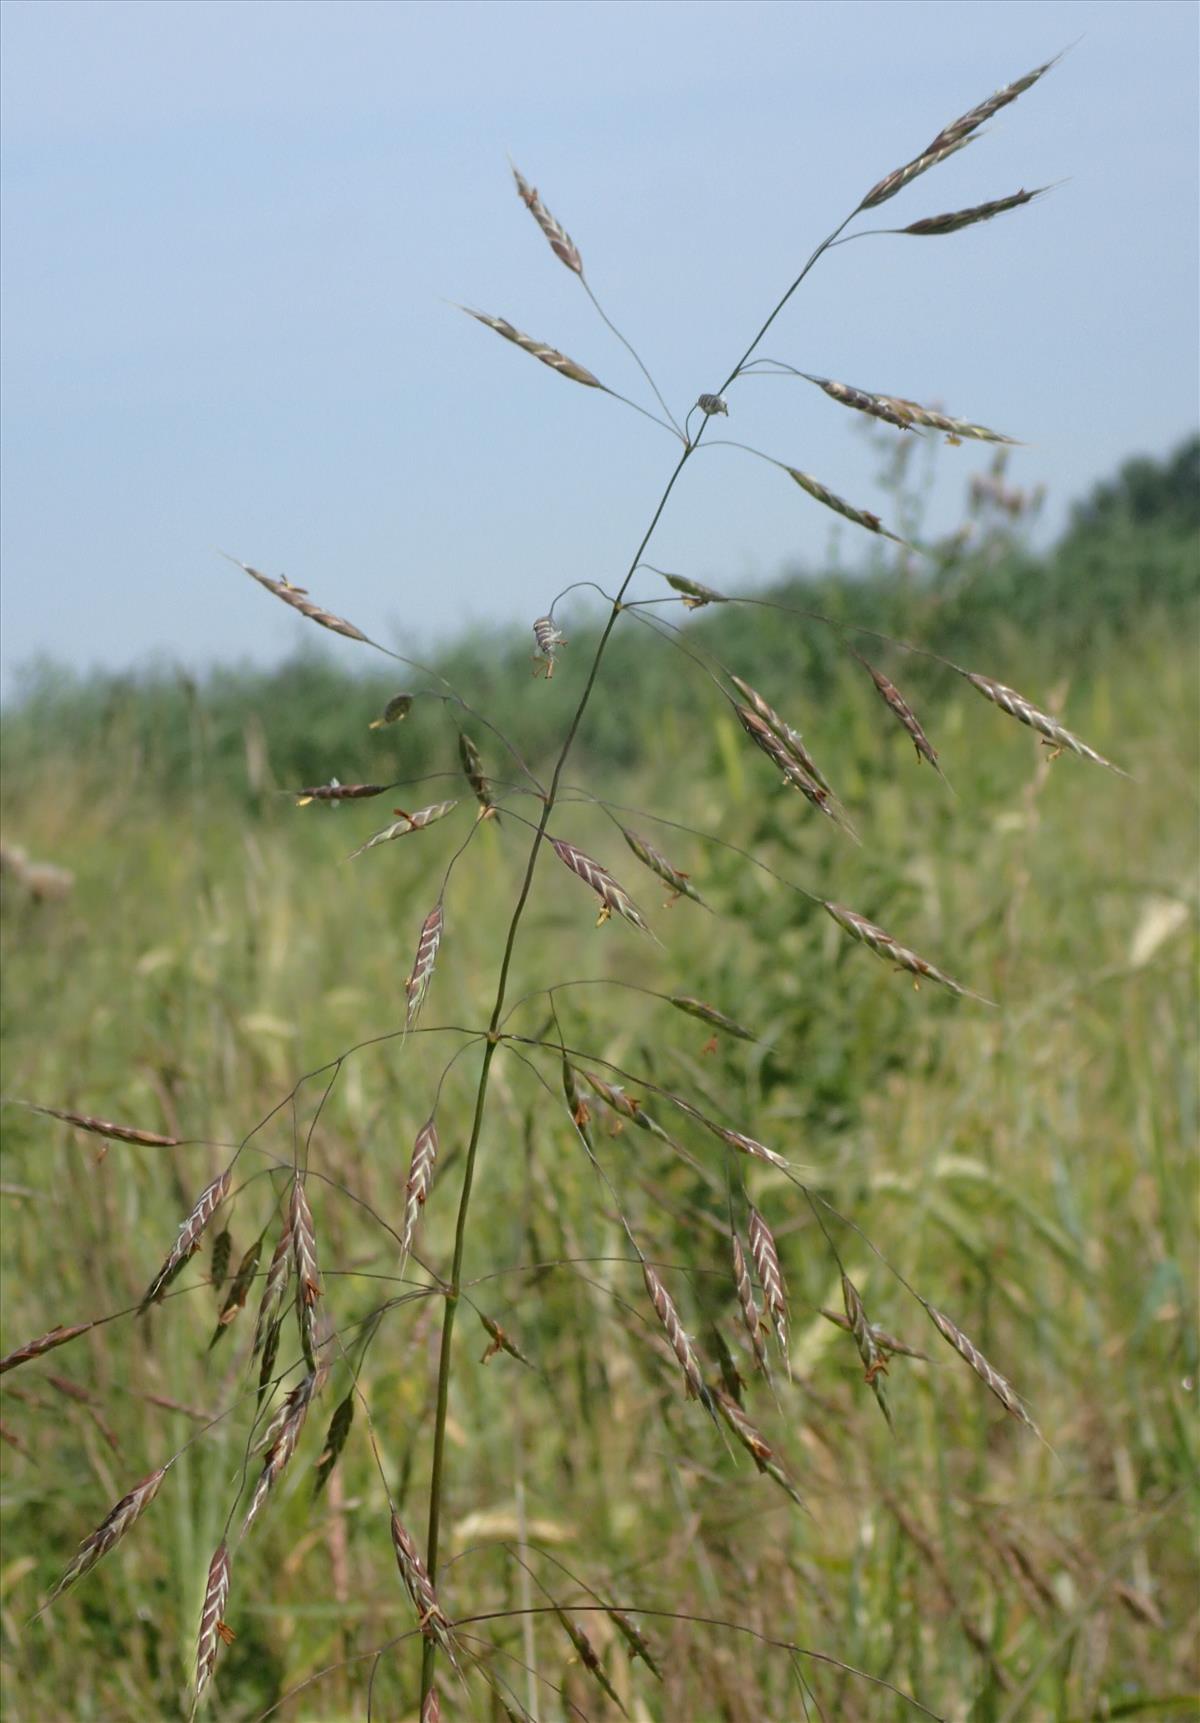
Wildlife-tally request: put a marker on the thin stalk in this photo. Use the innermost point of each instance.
(452, 1287)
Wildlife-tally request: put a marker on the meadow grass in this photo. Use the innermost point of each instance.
(1029, 1169)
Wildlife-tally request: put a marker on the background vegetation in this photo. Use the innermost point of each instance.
(1030, 1170)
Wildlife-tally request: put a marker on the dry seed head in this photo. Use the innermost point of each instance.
(887, 1343)
(895, 410)
(709, 1014)
(991, 1378)
(238, 1292)
(876, 406)
(754, 1443)
(611, 895)
(283, 1434)
(765, 1255)
(586, 1653)
(420, 1179)
(472, 765)
(501, 1341)
(735, 1139)
(335, 1441)
(658, 864)
(956, 219)
(270, 1350)
(792, 740)
(335, 792)
(695, 594)
(873, 1359)
(548, 355)
(297, 598)
(891, 951)
(427, 949)
(222, 1250)
(111, 1529)
(668, 1315)
(413, 822)
(903, 712)
(634, 1638)
(276, 1284)
(1017, 706)
(397, 708)
(105, 1128)
(188, 1240)
(212, 1616)
(895, 181)
(959, 130)
(44, 1343)
(751, 1315)
(308, 1274)
(416, 1579)
(613, 1094)
(560, 241)
(783, 755)
(839, 505)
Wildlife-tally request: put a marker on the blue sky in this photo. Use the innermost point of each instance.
(231, 233)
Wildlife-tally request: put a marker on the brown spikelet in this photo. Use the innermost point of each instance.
(695, 594)
(792, 740)
(283, 1433)
(420, 1178)
(222, 1250)
(736, 1139)
(188, 1240)
(991, 1378)
(902, 711)
(709, 1014)
(955, 219)
(784, 758)
(668, 1315)
(895, 181)
(1017, 706)
(765, 1255)
(406, 823)
(239, 1291)
(501, 1341)
(278, 1274)
(839, 505)
(751, 1315)
(680, 884)
(613, 1095)
(428, 941)
(612, 896)
(270, 1350)
(335, 1440)
(432, 1621)
(298, 599)
(431, 1707)
(560, 241)
(887, 1343)
(588, 1656)
(111, 1530)
(548, 355)
(883, 945)
(106, 1128)
(894, 410)
(212, 1616)
(304, 1259)
(397, 708)
(873, 1358)
(44, 1343)
(634, 1638)
(959, 130)
(335, 792)
(754, 1442)
(472, 765)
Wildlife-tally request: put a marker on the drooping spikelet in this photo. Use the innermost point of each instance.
(587, 1655)
(709, 1014)
(755, 1443)
(406, 823)
(472, 765)
(420, 1179)
(335, 792)
(213, 1631)
(417, 985)
(736, 1139)
(869, 1350)
(44, 1343)
(281, 1438)
(695, 594)
(781, 756)
(991, 1378)
(298, 599)
(308, 1274)
(658, 864)
(612, 896)
(111, 1529)
(239, 1290)
(548, 355)
(955, 219)
(839, 505)
(397, 708)
(1017, 706)
(420, 1589)
(274, 1288)
(895, 181)
(681, 1346)
(105, 1128)
(188, 1240)
(903, 712)
(765, 1255)
(751, 1315)
(792, 740)
(883, 945)
(895, 410)
(335, 1440)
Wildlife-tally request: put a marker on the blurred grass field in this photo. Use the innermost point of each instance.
(1029, 1169)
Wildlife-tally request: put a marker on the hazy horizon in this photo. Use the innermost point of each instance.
(231, 234)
